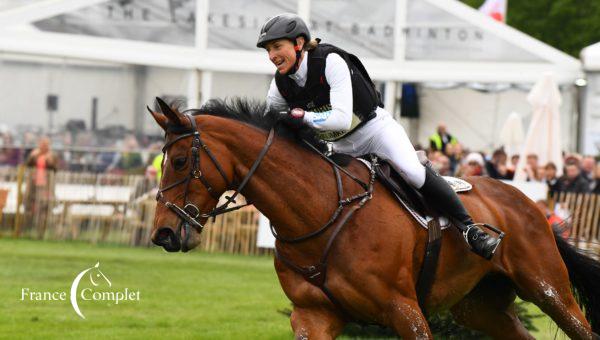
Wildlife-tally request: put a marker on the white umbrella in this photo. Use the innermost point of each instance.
(543, 136)
(511, 134)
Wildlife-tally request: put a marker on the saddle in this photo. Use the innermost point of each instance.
(407, 196)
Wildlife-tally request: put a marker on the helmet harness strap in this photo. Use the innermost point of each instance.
(297, 63)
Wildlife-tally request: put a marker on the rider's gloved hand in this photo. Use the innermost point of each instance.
(297, 113)
(295, 118)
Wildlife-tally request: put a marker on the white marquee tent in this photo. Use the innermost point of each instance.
(200, 49)
(590, 122)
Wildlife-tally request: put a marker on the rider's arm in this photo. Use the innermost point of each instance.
(339, 118)
(274, 98)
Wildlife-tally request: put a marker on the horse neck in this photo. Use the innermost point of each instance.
(294, 188)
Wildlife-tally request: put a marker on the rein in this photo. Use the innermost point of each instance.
(342, 202)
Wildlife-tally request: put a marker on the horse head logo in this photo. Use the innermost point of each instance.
(96, 278)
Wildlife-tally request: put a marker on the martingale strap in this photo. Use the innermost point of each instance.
(317, 273)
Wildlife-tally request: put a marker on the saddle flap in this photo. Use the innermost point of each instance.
(397, 185)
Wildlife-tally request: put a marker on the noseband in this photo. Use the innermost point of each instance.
(190, 213)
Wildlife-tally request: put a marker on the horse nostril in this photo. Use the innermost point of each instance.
(166, 238)
(163, 234)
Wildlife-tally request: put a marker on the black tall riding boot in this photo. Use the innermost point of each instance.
(442, 197)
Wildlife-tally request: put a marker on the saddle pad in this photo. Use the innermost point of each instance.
(457, 184)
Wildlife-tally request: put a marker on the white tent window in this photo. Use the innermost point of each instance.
(590, 121)
(434, 34)
(356, 26)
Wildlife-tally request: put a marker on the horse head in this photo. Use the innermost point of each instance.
(196, 172)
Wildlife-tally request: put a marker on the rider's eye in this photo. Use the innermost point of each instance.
(179, 163)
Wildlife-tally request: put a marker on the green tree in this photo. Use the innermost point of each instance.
(568, 25)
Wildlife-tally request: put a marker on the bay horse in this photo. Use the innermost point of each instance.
(375, 258)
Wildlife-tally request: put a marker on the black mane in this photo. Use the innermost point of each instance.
(245, 110)
(255, 113)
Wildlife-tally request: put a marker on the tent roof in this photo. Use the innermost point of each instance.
(590, 56)
(18, 36)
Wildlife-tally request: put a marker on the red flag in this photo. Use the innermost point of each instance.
(495, 9)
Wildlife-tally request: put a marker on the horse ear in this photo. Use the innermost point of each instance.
(173, 116)
(159, 118)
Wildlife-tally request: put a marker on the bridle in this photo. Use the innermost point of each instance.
(190, 213)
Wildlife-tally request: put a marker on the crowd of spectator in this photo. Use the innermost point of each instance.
(581, 173)
(85, 151)
(131, 154)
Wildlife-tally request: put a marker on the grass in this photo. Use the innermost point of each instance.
(182, 296)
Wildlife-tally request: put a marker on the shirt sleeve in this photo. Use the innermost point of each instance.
(339, 118)
(274, 98)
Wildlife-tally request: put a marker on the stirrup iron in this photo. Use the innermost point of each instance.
(500, 233)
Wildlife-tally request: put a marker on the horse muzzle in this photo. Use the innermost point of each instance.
(166, 238)
(185, 239)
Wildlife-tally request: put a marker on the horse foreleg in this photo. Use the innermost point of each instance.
(408, 320)
(317, 323)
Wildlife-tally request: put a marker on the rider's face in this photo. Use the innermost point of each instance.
(282, 54)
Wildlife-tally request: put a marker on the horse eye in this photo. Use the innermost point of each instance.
(179, 163)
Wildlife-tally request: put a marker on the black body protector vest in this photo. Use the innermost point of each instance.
(314, 96)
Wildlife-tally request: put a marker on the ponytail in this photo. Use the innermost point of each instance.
(311, 45)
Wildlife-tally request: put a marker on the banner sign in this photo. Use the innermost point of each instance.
(235, 24)
(159, 21)
(358, 26)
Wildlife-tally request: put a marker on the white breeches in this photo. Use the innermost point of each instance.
(387, 139)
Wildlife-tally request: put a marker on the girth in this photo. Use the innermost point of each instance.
(411, 200)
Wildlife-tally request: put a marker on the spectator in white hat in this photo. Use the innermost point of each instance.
(473, 165)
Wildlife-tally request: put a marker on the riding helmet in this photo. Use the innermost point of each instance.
(286, 25)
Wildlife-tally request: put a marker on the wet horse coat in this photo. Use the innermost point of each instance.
(375, 260)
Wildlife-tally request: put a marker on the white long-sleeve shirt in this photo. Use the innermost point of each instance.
(381, 135)
(337, 75)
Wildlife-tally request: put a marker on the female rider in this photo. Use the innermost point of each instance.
(329, 90)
